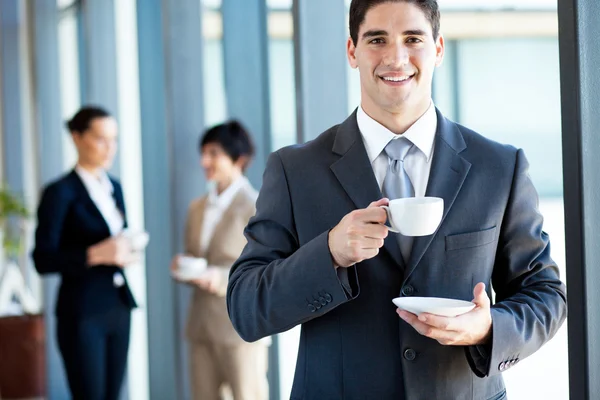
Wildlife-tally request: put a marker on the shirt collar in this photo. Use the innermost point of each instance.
(377, 136)
(224, 199)
(92, 182)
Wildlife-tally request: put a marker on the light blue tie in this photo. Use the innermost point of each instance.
(397, 183)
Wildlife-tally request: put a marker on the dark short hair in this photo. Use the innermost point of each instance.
(82, 119)
(359, 8)
(232, 137)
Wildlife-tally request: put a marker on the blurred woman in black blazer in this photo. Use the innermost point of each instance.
(81, 218)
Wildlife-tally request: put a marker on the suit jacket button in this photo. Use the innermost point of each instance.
(322, 300)
(118, 280)
(410, 354)
(328, 297)
(502, 366)
(408, 290)
(317, 304)
(312, 308)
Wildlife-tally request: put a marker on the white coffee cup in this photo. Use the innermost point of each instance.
(137, 240)
(190, 267)
(415, 216)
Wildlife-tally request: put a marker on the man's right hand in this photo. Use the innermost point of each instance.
(359, 235)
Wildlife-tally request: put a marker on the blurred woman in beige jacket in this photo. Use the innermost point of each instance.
(214, 232)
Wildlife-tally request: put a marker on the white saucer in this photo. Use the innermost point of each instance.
(186, 276)
(433, 305)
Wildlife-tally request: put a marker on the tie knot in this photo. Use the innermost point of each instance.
(397, 149)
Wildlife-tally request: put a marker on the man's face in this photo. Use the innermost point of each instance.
(396, 56)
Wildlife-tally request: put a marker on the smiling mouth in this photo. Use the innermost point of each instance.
(396, 79)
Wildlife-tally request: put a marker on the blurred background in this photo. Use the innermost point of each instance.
(168, 69)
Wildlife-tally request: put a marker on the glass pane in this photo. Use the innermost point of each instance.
(498, 4)
(516, 100)
(279, 4)
(215, 104)
(61, 4)
(69, 76)
(283, 93)
(214, 4)
(353, 89)
(215, 108)
(494, 4)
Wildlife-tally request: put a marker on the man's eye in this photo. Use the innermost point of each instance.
(377, 41)
(414, 40)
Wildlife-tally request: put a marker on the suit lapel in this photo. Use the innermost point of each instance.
(118, 196)
(448, 172)
(119, 200)
(355, 173)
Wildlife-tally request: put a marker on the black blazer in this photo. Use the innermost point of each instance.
(68, 223)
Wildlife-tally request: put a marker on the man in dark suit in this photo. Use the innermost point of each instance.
(319, 254)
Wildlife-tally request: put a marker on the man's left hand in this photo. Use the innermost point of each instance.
(472, 328)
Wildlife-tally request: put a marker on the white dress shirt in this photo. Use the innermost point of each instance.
(216, 205)
(417, 162)
(101, 191)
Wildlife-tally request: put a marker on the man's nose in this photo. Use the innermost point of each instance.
(397, 55)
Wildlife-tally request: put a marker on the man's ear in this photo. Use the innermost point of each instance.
(351, 53)
(440, 48)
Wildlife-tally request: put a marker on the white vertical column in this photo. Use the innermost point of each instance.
(130, 161)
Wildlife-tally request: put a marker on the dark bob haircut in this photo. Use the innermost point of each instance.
(233, 138)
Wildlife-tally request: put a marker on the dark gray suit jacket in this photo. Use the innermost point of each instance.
(354, 345)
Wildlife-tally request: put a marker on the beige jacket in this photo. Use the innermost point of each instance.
(208, 320)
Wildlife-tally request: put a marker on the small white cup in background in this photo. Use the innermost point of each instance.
(190, 267)
(415, 216)
(137, 240)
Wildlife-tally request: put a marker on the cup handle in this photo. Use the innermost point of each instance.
(389, 217)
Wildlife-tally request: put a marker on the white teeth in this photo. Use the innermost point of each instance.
(395, 78)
